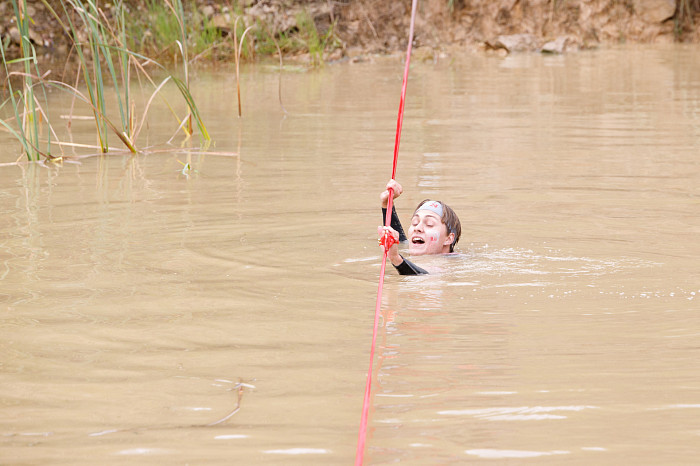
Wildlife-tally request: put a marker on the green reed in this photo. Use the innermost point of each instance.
(179, 14)
(94, 73)
(184, 85)
(25, 106)
(237, 57)
(106, 65)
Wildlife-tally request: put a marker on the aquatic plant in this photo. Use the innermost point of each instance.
(107, 47)
(237, 56)
(99, 33)
(26, 108)
(179, 15)
(105, 63)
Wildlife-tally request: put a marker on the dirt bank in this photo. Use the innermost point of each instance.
(443, 26)
(375, 25)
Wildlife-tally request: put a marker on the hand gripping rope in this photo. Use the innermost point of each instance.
(359, 455)
(387, 240)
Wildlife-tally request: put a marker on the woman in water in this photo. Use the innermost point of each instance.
(435, 229)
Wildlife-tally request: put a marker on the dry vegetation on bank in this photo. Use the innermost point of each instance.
(327, 30)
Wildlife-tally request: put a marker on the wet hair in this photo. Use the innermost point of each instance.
(449, 218)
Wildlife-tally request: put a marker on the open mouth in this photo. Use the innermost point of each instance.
(416, 240)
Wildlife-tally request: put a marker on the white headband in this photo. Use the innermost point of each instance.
(433, 206)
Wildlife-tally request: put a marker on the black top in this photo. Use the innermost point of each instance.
(406, 267)
(409, 268)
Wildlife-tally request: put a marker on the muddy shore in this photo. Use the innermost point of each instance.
(443, 27)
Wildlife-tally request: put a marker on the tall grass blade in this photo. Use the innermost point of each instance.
(26, 119)
(179, 12)
(103, 32)
(125, 59)
(185, 91)
(237, 56)
(92, 86)
(98, 113)
(104, 62)
(279, 54)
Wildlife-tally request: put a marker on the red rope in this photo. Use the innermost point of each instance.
(359, 455)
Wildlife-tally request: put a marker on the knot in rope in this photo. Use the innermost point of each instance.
(387, 240)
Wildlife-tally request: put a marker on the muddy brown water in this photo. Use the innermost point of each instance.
(139, 302)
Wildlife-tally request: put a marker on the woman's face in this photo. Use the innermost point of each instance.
(427, 234)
